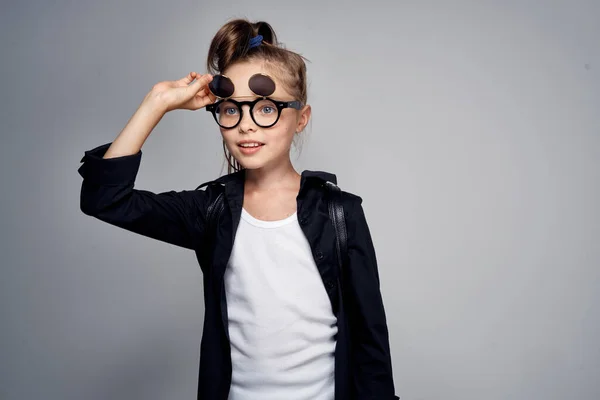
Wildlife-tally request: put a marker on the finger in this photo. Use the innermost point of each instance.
(188, 78)
(201, 82)
(203, 92)
(201, 99)
(204, 101)
(211, 97)
(206, 96)
(196, 103)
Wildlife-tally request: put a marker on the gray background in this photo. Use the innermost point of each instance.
(470, 129)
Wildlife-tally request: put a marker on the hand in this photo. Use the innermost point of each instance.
(183, 93)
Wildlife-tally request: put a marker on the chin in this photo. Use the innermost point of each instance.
(250, 162)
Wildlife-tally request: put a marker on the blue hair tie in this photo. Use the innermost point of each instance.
(256, 41)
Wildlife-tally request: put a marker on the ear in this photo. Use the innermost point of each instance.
(303, 118)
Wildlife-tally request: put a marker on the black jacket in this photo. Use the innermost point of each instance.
(363, 367)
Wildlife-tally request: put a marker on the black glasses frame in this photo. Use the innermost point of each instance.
(295, 104)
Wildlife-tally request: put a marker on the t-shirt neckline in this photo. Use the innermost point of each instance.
(246, 216)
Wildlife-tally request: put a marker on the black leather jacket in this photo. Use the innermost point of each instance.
(363, 367)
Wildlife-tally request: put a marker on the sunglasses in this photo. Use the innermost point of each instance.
(260, 84)
(265, 111)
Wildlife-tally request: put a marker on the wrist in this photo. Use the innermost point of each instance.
(155, 103)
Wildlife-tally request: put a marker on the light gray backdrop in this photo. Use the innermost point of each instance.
(470, 129)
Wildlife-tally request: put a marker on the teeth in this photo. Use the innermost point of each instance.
(250, 144)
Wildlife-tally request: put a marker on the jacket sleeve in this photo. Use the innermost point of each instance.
(370, 349)
(108, 193)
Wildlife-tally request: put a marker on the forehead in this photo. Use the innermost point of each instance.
(241, 72)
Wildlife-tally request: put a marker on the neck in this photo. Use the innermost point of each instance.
(270, 178)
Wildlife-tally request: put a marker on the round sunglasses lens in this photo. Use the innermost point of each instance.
(265, 113)
(228, 114)
(261, 85)
(221, 86)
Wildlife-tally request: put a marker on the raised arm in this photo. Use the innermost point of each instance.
(109, 172)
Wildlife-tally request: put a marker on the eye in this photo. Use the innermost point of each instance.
(267, 110)
(228, 109)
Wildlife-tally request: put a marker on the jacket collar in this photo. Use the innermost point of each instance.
(320, 175)
(237, 178)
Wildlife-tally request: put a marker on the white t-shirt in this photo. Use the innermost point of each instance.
(281, 325)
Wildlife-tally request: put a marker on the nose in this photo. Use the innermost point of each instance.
(247, 123)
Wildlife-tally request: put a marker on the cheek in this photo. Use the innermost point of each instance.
(286, 127)
(281, 136)
(229, 135)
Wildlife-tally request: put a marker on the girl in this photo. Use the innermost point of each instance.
(274, 325)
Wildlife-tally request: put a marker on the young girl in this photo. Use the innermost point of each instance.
(278, 322)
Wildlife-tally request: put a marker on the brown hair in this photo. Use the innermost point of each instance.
(231, 44)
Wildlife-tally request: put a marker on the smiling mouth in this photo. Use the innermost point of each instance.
(250, 145)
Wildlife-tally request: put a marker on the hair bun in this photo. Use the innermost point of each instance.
(266, 31)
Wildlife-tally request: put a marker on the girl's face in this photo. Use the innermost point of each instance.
(274, 142)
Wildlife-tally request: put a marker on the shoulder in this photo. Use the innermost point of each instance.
(216, 186)
(212, 190)
(350, 201)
